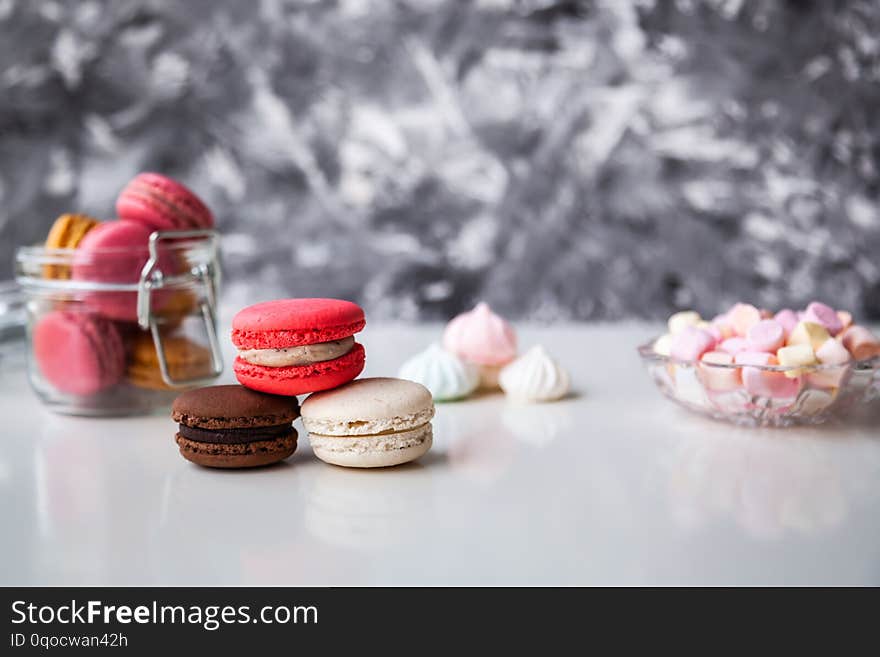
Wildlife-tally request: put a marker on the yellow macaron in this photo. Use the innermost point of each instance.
(66, 233)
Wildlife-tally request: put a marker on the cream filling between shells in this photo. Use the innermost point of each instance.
(297, 356)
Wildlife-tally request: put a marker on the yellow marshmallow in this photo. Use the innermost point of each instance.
(796, 356)
(681, 320)
(810, 334)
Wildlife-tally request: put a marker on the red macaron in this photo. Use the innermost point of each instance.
(315, 334)
(78, 353)
(161, 203)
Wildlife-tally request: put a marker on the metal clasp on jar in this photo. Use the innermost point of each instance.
(208, 274)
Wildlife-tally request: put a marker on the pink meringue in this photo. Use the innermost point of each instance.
(480, 336)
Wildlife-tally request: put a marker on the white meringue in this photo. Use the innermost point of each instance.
(446, 375)
(534, 377)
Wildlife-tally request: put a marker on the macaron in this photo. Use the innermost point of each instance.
(296, 346)
(185, 360)
(78, 353)
(161, 203)
(370, 423)
(115, 252)
(66, 233)
(233, 427)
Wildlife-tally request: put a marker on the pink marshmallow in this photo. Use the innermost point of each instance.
(763, 383)
(767, 335)
(723, 327)
(861, 343)
(733, 346)
(743, 317)
(819, 313)
(719, 379)
(691, 343)
(788, 319)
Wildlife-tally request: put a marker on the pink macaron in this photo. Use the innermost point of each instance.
(161, 203)
(115, 252)
(295, 346)
(78, 353)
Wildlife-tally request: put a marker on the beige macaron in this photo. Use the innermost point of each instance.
(370, 423)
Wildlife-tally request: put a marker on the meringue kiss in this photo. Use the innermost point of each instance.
(480, 336)
(443, 373)
(534, 377)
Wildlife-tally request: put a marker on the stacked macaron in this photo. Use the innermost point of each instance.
(818, 341)
(84, 348)
(479, 352)
(290, 347)
(370, 423)
(297, 346)
(233, 427)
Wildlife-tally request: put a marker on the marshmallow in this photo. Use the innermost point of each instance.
(832, 352)
(734, 345)
(742, 317)
(819, 313)
(691, 343)
(809, 333)
(767, 335)
(681, 320)
(795, 356)
(861, 343)
(663, 345)
(845, 318)
(834, 356)
(719, 379)
(788, 318)
(721, 325)
(765, 383)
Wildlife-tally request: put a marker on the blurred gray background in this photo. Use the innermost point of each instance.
(559, 159)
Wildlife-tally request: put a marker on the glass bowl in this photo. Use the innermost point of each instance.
(769, 395)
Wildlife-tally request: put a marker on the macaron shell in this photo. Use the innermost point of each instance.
(295, 322)
(371, 459)
(185, 360)
(242, 455)
(232, 406)
(385, 403)
(78, 354)
(66, 233)
(303, 379)
(116, 252)
(162, 204)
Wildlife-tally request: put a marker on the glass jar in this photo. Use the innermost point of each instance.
(121, 331)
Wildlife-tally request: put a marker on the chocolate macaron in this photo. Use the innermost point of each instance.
(234, 427)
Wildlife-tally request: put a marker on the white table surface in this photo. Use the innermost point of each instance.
(612, 486)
